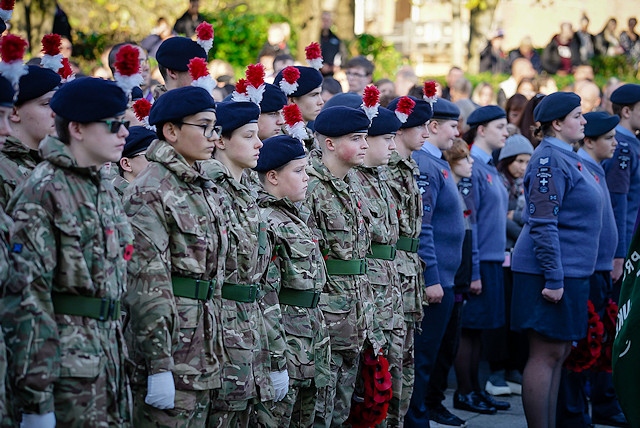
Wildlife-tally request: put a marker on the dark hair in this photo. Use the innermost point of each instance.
(459, 150)
(282, 57)
(62, 129)
(516, 102)
(470, 135)
(503, 166)
(163, 71)
(159, 126)
(331, 85)
(114, 51)
(360, 61)
(527, 121)
(416, 91)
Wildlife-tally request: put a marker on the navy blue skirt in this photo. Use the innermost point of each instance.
(486, 310)
(565, 320)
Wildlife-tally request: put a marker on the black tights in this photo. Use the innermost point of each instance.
(541, 380)
(467, 360)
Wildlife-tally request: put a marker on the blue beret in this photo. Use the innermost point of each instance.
(485, 115)
(445, 109)
(340, 120)
(6, 92)
(273, 99)
(599, 123)
(386, 122)
(179, 103)
(555, 106)
(278, 151)
(309, 79)
(88, 99)
(626, 95)
(232, 115)
(348, 99)
(36, 83)
(136, 93)
(176, 52)
(138, 140)
(516, 145)
(420, 115)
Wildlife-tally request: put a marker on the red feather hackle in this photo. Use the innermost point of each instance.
(371, 96)
(12, 48)
(292, 114)
(198, 68)
(204, 31)
(127, 63)
(313, 51)
(291, 74)
(405, 105)
(255, 74)
(51, 44)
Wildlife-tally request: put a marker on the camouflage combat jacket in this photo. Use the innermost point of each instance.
(247, 363)
(297, 264)
(71, 238)
(16, 163)
(176, 220)
(119, 184)
(5, 224)
(404, 190)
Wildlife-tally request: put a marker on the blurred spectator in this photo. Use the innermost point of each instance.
(527, 51)
(521, 69)
(589, 94)
(492, 57)
(547, 85)
(186, 25)
(586, 39)
(159, 34)
(330, 45)
(330, 87)
(612, 84)
(359, 72)
(461, 96)
(61, 24)
(630, 41)
(563, 52)
(515, 108)
(66, 48)
(454, 74)
(483, 94)
(386, 87)
(527, 87)
(607, 42)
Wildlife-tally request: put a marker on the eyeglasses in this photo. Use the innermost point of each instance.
(351, 73)
(207, 130)
(114, 125)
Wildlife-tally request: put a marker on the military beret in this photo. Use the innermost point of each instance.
(138, 140)
(273, 99)
(628, 94)
(6, 92)
(599, 123)
(515, 145)
(445, 109)
(136, 93)
(485, 115)
(347, 99)
(386, 122)
(88, 99)
(176, 52)
(309, 79)
(555, 106)
(179, 103)
(340, 120)
(420, 115)
(36, 83)
(232, 115)
(278, 151)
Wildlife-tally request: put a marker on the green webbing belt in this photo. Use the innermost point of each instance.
(383, 252)
(302, 298)
(407, 244)
(91, 307)
(346, 267)
(199, 289)
(240, 292)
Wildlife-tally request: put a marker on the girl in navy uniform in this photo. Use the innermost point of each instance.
(552, 261)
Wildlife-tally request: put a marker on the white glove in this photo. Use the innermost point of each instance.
(280, 382)
(48, 420)
(161, 391)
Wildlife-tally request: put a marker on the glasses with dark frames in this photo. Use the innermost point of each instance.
(114, 125)
(207, 130)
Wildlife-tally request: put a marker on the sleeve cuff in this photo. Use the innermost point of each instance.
(161, 365)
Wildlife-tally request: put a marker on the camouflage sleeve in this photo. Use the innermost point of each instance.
(149, 297)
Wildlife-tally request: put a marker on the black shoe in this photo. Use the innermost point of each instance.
(443, 416)
(618, 420)
(492, 402)
(472, 402)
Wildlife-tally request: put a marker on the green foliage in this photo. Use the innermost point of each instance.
(386, 58)
(614, 66)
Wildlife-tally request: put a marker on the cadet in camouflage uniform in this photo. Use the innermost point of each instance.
(402, 171)
(133, 160)
(72, 241)
(298, 272)
(173, 299)
(31, 121)
(347, 300)
(254, 362)
(382, 218)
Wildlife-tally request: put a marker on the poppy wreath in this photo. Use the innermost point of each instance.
(585, 353)
(603, 364)
(371, 409)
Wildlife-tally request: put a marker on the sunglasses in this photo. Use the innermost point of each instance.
(114, 125)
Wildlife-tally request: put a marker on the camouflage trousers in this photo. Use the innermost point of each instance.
(395, 355)
(334, 401)
(408, 370)
(3, 376)
(254, 414)
(298, 408)
(192, 410)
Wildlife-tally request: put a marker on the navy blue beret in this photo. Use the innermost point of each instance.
(278, 151)
(88, 99)
(555, 106)
(179, 103)
(348, 99)
(386, 122)
(626, 95)
(445, 109)
(6, 92)
(136, 93)
(138, 140)
(420, 115)
(485, 115)
(232, 115)
(340, 120)
(36, 83)
(599, 123)
(176, 52)
(309, 79)
(273, 99)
